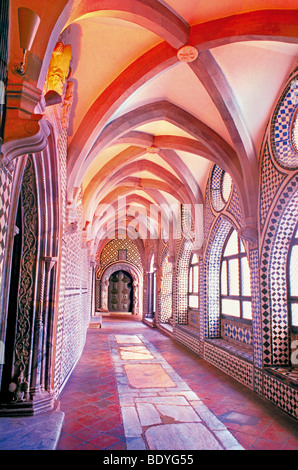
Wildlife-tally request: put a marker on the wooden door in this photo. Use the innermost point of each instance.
(120, 292)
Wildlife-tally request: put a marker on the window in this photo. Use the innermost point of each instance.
(151, 289)
(235, 279)
(292, 281)
(193, 282)
(221, 188)
(284, 126)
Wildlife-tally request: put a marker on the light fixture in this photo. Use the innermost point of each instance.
(28, 25)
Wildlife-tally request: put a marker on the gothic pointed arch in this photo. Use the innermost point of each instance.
(137, 285)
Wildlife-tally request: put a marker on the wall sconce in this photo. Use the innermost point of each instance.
(28, 25)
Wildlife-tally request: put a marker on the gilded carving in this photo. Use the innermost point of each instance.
(57, 74)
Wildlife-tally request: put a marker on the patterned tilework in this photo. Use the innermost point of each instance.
(234, 207)
(240, 370)
(216, 188)
(221, 230)
(74, 288)
(237, 332)
(166, 291)
(202, 298)
(182, 266)
(147, 259)
(273, 276)
(189, 337)
(62, 155)
(258, 381)
(208, 213)
(281, 137)
(243, 352)
(255, 300)
(290, 375)
(5, 193)
(278, 281)
(109, 254)
(281, 394)
(271, 179)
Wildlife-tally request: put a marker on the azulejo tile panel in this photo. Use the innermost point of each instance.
(213, 256)
(236, 332)
(281, 394)
(274, 252)
(240, 370)
(281, 131)
(271, 179)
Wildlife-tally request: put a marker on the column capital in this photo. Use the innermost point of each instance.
(25, 130)
(249, 231)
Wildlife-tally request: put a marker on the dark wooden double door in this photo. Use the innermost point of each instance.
(120, 292)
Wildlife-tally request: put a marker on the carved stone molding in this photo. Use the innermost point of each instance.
(137, 287)
(19, 386)
(25, 131)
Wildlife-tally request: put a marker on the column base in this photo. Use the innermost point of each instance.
(40, 404)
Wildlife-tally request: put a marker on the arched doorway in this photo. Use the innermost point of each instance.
(137, 285)
(120, 292)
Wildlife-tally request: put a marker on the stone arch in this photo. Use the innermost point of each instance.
(213, 256)
(137, 285)
(181, 282)
(166, 289)
(26, 378)
(274, 254)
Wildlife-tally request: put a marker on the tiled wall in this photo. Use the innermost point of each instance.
(166, 308)
(6, 179)
(256, 355)
(110, 254)
(74, 287)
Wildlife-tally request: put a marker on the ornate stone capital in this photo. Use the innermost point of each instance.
(25, 131)
(50, 262)
(249, 231)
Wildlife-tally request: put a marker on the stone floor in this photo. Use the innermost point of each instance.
(135, 388)
(40, 432)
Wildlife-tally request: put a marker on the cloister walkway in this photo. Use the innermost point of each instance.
(135, 388)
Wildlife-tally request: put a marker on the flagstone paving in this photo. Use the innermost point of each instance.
(170, 416)
(181, 403)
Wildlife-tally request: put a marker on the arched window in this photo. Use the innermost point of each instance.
(235, 279)
(166, 291)
(292, 282)
(221, 188)
(151, 289)
(193, 282)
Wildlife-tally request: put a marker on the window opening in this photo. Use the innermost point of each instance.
(193, 282)
(235, 279)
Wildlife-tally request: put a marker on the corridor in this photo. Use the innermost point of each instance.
(134, 388)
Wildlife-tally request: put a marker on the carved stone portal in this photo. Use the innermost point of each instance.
(137, 285)
(19, 386)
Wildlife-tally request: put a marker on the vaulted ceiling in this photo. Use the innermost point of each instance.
(150, 117)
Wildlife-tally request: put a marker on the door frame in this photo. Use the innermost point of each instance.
(137, 285)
